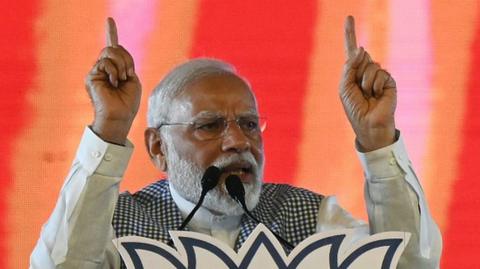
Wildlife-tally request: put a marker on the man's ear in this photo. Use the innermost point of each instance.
(155, 148)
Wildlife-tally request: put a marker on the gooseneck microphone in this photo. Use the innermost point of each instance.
(209, 181)
(237, 192)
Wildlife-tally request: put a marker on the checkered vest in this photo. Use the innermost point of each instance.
(151, 212)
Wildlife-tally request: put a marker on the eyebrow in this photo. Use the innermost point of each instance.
(211, 114)
(206, 114)
(248, 113)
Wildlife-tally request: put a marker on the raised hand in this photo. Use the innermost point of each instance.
(114, 89)
(368, 94)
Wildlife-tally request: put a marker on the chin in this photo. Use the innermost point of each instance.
(219, 202)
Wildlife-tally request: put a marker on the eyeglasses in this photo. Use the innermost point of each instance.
(209, 128)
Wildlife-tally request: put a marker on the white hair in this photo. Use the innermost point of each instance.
(183, 173)
(175, 82)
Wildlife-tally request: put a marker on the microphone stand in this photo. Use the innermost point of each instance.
(209, 181)
(237, 192)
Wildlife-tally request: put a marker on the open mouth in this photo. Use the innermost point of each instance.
(244, 170)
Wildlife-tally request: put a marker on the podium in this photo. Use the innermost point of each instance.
(334, 249)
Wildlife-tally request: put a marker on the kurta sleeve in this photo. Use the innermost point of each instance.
(395, 202)
(79, 233)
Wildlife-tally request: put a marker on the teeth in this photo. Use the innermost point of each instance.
(237, 172)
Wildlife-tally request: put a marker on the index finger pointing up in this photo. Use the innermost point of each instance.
(350, 38)
(111, 33)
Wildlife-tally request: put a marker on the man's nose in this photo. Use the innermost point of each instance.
(235, 139)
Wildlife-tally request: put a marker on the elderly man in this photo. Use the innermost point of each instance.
(202, 114)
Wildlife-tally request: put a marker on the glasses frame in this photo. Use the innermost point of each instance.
(262, 122)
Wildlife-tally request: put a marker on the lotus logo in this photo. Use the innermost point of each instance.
(333, 250)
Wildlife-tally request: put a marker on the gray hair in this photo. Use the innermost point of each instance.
(175, 82)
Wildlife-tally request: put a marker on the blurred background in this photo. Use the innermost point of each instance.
(292, 53)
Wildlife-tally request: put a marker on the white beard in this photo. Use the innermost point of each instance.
(185, 176)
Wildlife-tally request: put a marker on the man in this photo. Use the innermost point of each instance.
(203, 114)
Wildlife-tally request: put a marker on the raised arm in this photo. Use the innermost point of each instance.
(78, 233)
(114, 89)
(395, 200)
(368, 94)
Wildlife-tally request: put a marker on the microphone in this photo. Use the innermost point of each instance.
(209, 181)
(237, 192)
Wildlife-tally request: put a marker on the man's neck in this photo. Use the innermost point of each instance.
(204, 217)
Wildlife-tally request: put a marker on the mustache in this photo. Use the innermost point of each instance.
(245, 157)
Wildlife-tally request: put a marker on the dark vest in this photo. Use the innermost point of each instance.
(151, 212)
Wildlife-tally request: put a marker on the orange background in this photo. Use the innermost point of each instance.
(292, 53)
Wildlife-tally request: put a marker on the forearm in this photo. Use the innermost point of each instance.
(79, 229)
(395, 202)
(90, 226)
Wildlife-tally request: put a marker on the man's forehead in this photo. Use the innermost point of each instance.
(216, 81)
(213, 114)
(215, 95)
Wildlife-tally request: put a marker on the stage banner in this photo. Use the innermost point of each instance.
(335, 249)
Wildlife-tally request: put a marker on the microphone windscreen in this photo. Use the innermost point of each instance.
(235, 187)
(210, 178)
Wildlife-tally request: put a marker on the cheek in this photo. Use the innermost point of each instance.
(257, 151)
(183, 145)
(202, 153)
(205, 156)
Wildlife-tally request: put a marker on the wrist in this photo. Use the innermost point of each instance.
(375, 139)
(111, 131)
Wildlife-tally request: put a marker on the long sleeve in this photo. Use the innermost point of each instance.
(78, 234)
(395, 202)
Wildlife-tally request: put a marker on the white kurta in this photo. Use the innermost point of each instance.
(79, 233)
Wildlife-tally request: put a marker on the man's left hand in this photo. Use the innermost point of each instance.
(368, 94)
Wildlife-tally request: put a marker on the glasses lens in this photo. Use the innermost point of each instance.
(252, 126)
(213, 128)
(262, 123)
(249, 124)
(209, 128)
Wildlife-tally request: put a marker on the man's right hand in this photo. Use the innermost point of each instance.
(114, 89)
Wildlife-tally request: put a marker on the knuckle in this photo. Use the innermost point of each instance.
(365, 84)
(103, 62)
(394, 84)
(376, 73)
(105, 52)
(370, 68)
(363, 66)
(123, 51)
(112, 54)
(368, 58)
